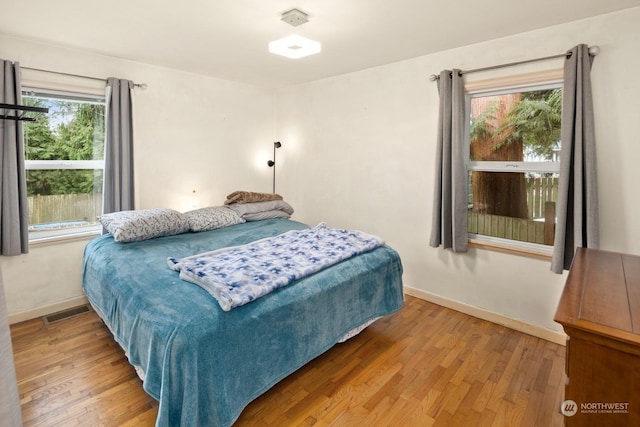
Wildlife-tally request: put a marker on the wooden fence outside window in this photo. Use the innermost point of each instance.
(538, 228)
(64, 208)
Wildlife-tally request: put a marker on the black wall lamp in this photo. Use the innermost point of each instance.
(272, 163)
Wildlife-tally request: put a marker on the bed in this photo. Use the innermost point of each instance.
(205, 365)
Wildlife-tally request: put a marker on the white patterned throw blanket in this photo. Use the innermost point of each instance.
(238, 275)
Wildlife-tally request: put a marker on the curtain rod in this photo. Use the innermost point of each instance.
(593, 51)
(140, 85)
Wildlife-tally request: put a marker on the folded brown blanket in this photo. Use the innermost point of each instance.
(250, 197)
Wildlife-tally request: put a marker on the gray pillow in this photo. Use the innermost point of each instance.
(257, 207)
(259, 216)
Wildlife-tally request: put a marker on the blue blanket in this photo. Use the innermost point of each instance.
(204, 365)
(236, 276)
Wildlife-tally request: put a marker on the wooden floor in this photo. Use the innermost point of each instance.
(423, 366)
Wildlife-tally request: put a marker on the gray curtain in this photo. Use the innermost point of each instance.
(14, 213)
(10, 411)
(577, 207)
(118, 169)
(449, 226)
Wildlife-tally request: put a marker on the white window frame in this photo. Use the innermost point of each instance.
(67, 232)
(511, 166)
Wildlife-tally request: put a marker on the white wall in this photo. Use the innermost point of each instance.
(191, 133)
(358, 151)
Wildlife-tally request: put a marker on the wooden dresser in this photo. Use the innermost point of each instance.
(600, 312)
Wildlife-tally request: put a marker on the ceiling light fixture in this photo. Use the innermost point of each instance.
(295, 46)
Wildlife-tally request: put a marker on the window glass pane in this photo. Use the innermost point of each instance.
(519, 126)
(72, 130)
(512, 205)
(64, 199)
(52, 206)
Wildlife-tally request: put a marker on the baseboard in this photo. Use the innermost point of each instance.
(45, 310)
(518, 325)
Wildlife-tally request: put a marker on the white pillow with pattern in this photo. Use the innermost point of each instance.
(211, 218)
(136, 225)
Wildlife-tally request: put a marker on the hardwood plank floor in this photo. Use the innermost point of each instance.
(423, 366)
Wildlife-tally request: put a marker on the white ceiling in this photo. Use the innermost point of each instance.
(228, 38)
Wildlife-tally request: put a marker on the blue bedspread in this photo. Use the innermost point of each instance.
(204, 365)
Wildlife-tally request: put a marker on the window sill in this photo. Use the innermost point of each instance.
(83, 235)
(530, 252)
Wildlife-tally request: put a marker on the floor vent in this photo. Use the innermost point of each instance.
(66, 314)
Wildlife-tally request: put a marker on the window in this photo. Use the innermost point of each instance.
(64, 162)
(513, 165)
